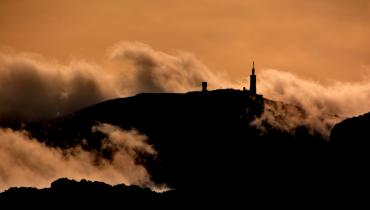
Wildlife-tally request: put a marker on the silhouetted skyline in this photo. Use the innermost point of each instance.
(162, 103)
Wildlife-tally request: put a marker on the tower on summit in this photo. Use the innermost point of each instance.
(253, 88)
(204, 87)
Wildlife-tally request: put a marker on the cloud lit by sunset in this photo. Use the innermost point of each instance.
(159, 101)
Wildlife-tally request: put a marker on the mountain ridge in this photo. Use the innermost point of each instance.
(204, 141)
(178, 124)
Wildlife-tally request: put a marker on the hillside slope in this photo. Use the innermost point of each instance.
(206, 145)
(200, 138)
(353, 131)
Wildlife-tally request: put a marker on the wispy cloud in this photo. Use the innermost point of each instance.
(27, 162)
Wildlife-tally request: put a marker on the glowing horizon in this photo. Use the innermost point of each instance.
(321, 40)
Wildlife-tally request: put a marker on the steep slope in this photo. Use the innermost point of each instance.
(353, 131)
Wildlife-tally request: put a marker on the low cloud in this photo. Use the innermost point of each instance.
(34, 88)
(155, 71)
(320, 106)
(27, 162)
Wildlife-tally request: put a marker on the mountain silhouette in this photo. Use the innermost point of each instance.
(207, 145)
(352, 132)
(195, 134)
(70, 192)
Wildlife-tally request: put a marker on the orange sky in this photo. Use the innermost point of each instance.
(319, 39)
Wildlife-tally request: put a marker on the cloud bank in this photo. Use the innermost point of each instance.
(34, 88)
(323, 105)
(27, 162)
(155, 71)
